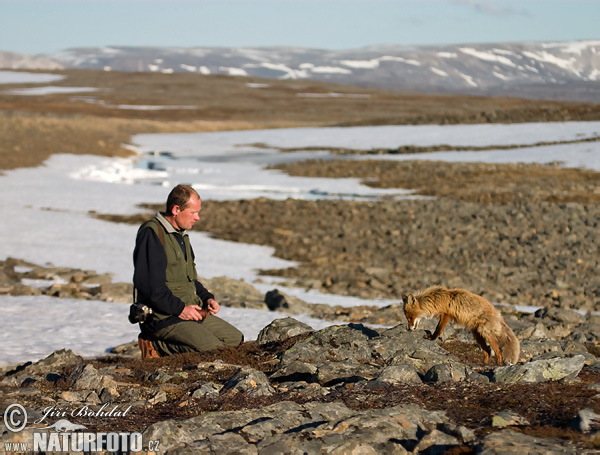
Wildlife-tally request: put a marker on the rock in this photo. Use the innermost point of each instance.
(130, 349)
(295, 370)
(331, 373)
(116, 292)
(251, 382)
(508, 418)
(158, 377)
(537, 332)
(235, 293)
(586, 421)
(282, 329)
(447, 372)
(399, 374)
(158, 397)
(338, 343)
(208, 390)
(509, 442)
(277, 301)
(561, 315)
(535, 348)
(86, 377)
(540, 371)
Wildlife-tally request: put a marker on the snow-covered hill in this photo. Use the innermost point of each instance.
(558, 70)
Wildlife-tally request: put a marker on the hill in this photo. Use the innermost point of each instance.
(567, 70)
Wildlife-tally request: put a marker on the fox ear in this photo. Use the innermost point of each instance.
(404, 298)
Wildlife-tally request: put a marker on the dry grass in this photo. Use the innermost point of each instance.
(29, 139)
(472, 182)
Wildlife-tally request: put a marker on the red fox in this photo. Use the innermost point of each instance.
(470, 310)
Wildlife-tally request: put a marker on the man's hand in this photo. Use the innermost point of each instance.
(213, 306)
(192, 313)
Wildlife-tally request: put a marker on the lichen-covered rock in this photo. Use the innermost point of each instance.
(282, 329)
(553, 369)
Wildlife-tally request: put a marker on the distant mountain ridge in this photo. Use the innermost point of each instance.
(15, 61)
(545, 70)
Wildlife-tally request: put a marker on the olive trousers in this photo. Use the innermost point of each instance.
(196, 336)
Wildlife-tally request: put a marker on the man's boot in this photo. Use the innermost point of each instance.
(147, 348)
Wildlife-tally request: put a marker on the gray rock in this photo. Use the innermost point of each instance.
(534, 348)
(435, 442)
(338, 343)
(508, 418)
(422, 354)
(447, 372)
(86, 377)
(399, 374)
(208, 390)
(158, 377)
(562, 315)
(278, 301)
(586, 421)
(295, 370)
(235, 293)
(282, 329)
(116, 292)
(331, 373)
(540, 370)
(249, 381)
(57, 359)
(508, 442)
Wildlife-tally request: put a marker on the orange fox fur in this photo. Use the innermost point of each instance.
(470, 310)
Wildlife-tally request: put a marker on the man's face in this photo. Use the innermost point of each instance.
(185, 219)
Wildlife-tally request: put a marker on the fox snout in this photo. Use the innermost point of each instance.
(413, 323)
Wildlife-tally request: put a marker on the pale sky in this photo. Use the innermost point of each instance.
(47, 26)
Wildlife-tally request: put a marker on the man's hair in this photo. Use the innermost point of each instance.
(180, 195)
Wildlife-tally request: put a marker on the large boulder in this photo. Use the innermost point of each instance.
(540, 370)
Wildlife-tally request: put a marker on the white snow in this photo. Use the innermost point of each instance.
(45, 213)
(18, 77)
(329, 69)
(439, 72)
(288, 73)
(546, 57)
(231, 71)
(333, 95)
(575, 47)
(488, 56)
(374, 63)
(49, 90)
(144, 107)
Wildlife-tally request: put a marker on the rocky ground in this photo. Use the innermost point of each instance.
(344, 389)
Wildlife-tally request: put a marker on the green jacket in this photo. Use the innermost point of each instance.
(165, 279)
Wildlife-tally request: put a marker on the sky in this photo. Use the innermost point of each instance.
(48, 26)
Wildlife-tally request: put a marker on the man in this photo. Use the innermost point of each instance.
(165, 279)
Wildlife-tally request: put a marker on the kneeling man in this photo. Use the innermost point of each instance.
(165, 279)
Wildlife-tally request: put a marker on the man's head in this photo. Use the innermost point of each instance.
(183, 207)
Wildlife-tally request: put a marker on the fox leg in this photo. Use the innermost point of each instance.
(480, 340)
(444, 319)
(494, 344)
